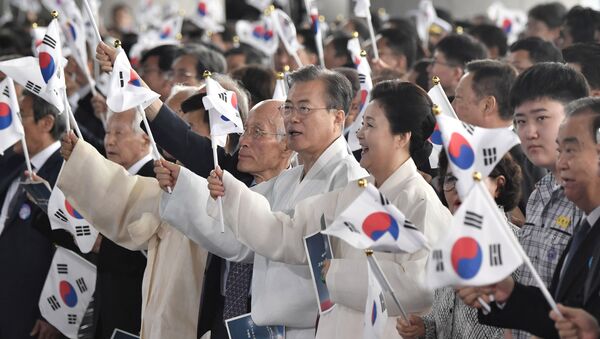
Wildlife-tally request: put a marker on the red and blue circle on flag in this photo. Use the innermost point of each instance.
(134, 79)
(67, 293)
(377, 224)
(460, 151)
(436, 136)
(47, 65)
(201, 9)
(261, 32)
(466, 257)
(5, 115)
(72, 211)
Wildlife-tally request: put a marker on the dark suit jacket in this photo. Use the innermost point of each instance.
(91, 127)
(26, 250)
(195, 152)
(528, 310)
(119, 284)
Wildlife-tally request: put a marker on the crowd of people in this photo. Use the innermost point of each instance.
(164, 267)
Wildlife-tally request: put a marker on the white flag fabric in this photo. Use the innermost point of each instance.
(366, 85)
(207, 14)
(354, 49)
(425, 17)
(74, 28)
(372, 222)
(37, 35)
(26, 72)
(473, 149)
(170, 28)
(376, 314)
(477, 250)
(62, 215)
(11, 128)
(512, 21)
(315, 26)
(258, 34)
(439, 97)
(50, 54)
(284, 26)
(223, 111)
(362, 8)
(67, 292)
(280, 92)
(126, 90)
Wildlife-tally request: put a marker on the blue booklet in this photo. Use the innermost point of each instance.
(243, 327)
(318, 249)
(120, 334)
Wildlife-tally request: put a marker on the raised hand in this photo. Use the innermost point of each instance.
(575, 323)
(106, 56)
(416, 328)
(166, 174)
(67, 144)
(215, 183)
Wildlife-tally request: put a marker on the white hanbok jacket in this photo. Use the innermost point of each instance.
(282, 293)
(279, 237)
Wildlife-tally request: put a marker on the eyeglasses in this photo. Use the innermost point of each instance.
(257, 133)
(598, 135)
(448, 64)
(303, 110)
(449, 182)
(179, 74)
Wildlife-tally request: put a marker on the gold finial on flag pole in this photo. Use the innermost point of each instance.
(321, 18)
(477, 176)
(34, 25)
(54, 14)
(269, 10)
(280, 75)
(363, 183)
(363, 53)
(286, 68)
(369, 252)
(459, 30)
(355, 34)
(236, 39)
(117, 43)
(436, 110)
(206, 74)
(435, 80)
(178, 37)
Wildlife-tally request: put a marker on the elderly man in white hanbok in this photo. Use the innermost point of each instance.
(282, 293)
(396, 126)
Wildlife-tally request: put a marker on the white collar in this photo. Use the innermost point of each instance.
(139, 164)
(38, 160)
(592, 218)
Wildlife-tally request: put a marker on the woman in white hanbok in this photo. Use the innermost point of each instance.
(396, 125)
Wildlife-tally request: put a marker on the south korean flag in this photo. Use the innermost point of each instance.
(67, 291)
(63, 215)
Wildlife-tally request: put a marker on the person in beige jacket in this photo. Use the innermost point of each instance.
(396, 126)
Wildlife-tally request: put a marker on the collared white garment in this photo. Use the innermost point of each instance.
(139, 164)
(37, 161)
(280, 237)
(124, 208)
(282, 294)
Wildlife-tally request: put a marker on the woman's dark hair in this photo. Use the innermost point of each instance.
(258, 80)
(408, 109)
(510, 192)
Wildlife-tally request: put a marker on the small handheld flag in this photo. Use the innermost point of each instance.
(280, 92)
(439, 98)
(258, 34)
(376, 314)
(11, 128)
(366, 85)
(284, 26)
(372, 222)
(362, 9)
(315, 26)
(67, 292)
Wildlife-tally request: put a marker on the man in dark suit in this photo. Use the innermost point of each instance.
(575, 280)
(26, 239)
(120, 271)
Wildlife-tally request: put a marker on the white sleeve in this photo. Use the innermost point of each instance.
(185, 210)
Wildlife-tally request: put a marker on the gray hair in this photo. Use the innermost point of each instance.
(338, 90)
(587, 105)
(135, 123)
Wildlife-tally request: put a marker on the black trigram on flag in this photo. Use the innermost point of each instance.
(60, 214)
(81, 285)
(470, 129)
(121, 81)
(5, 92)
(362, 78)
(83, 230)
(384, 201)
(53, 303)
(33, 87)
(438, 257)
(489, 156)
(473, 219)
(49, 41)
(495, 255)
(382, 301)
(62, 269)
(351, 227)
(223, 96)
(72, 319)
(410, 225)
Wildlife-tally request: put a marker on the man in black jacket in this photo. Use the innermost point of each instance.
(26, 239)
